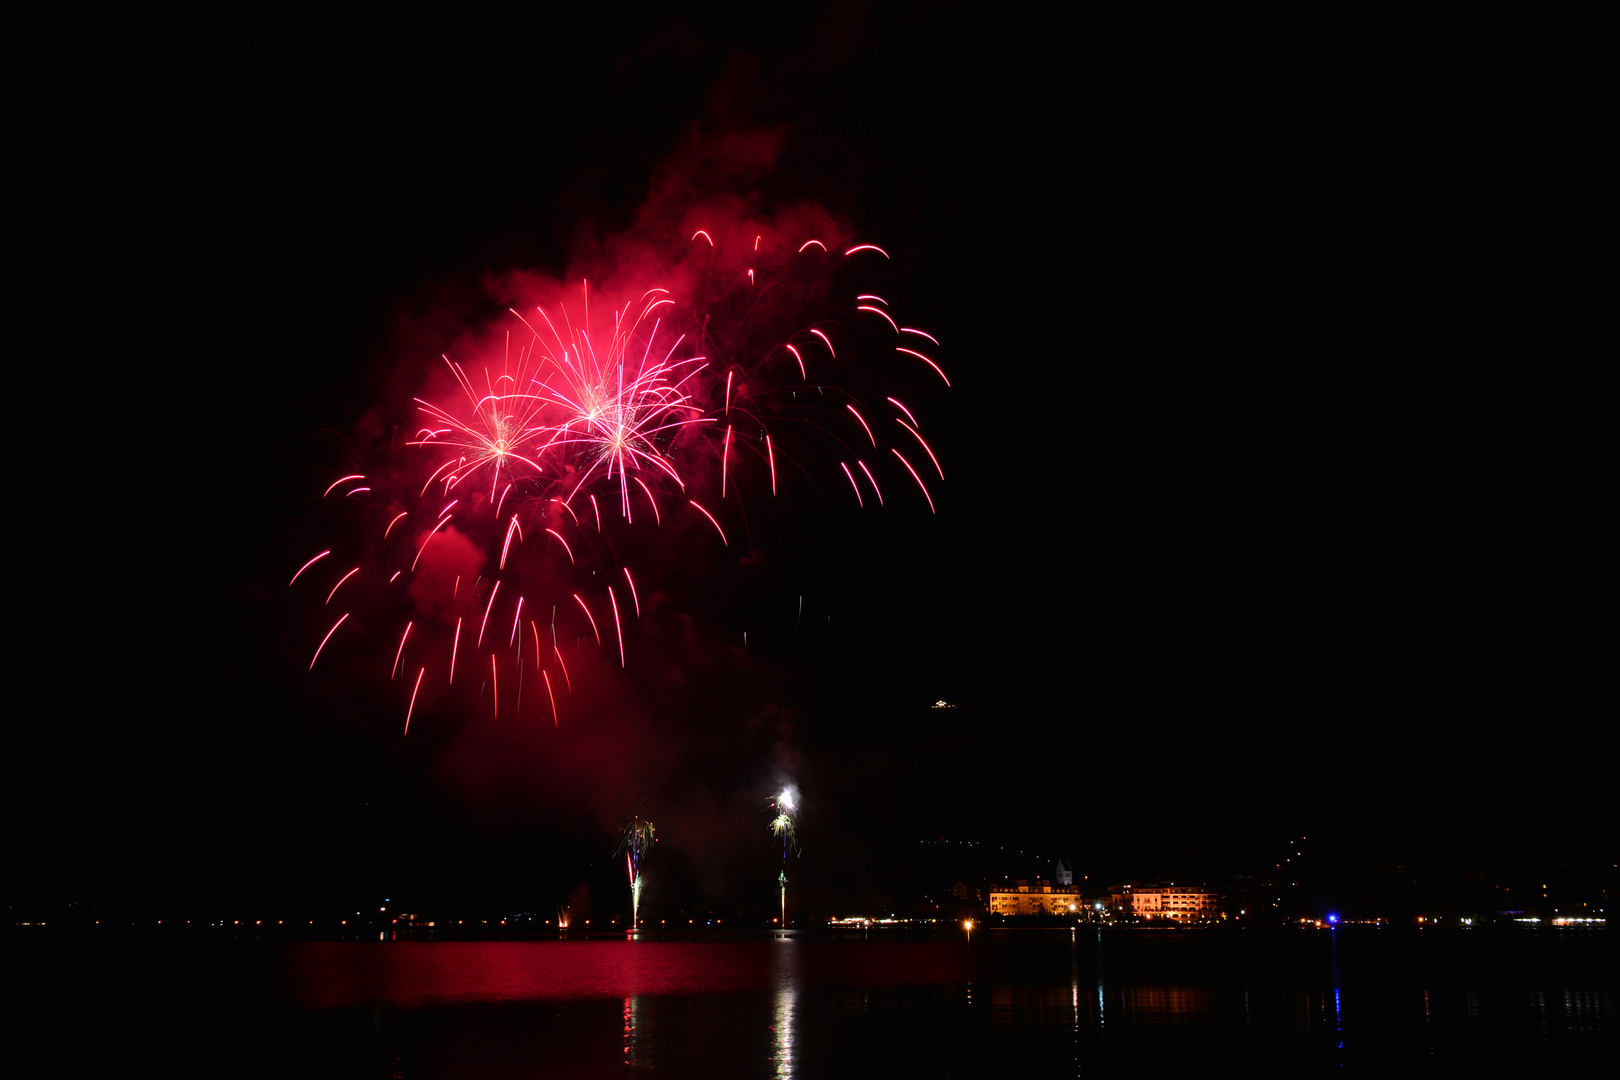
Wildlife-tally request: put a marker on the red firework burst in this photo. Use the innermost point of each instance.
(669, 393)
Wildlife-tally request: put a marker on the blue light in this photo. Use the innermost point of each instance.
(1333, 918)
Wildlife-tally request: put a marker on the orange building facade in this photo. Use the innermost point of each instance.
(1039, 898)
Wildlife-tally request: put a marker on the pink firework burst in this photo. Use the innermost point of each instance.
(528, 487)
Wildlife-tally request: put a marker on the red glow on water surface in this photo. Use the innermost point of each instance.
(326, 975)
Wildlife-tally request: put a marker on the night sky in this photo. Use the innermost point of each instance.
(1265, 516)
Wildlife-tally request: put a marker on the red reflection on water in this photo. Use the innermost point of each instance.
(322, 975)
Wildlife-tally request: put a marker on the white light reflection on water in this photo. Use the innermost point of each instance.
(1101, 1017)
(1074, 992)
(783, 1015)
(784, 1007)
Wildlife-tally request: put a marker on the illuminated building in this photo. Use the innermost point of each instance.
(1041, 898)
(1181, 903)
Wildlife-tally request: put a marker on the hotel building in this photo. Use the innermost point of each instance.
(1181, 903)
(1040, 898)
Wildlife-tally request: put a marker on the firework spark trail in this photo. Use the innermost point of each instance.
(636, 842)
(852, 483)
(925, 446)
(618, 629)
(915, 477)
(657, 520)
(563, 542)
(487, 609)
(873, 481)
(634, 598)
(443, 522)
(924, 359)
(515, 617)
(589, 616)
(454, 644)
(506, 545)
(713, 522)
(564, 410)
(412, 707)
(339, 585)
(725, 455)
(307, 565)
(401, 651)
(864, 426)
(325, 639)
(903, 409)
(785, 802)
(567, 682)
(879, 311)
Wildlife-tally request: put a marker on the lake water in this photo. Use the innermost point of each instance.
(1120, 1002)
